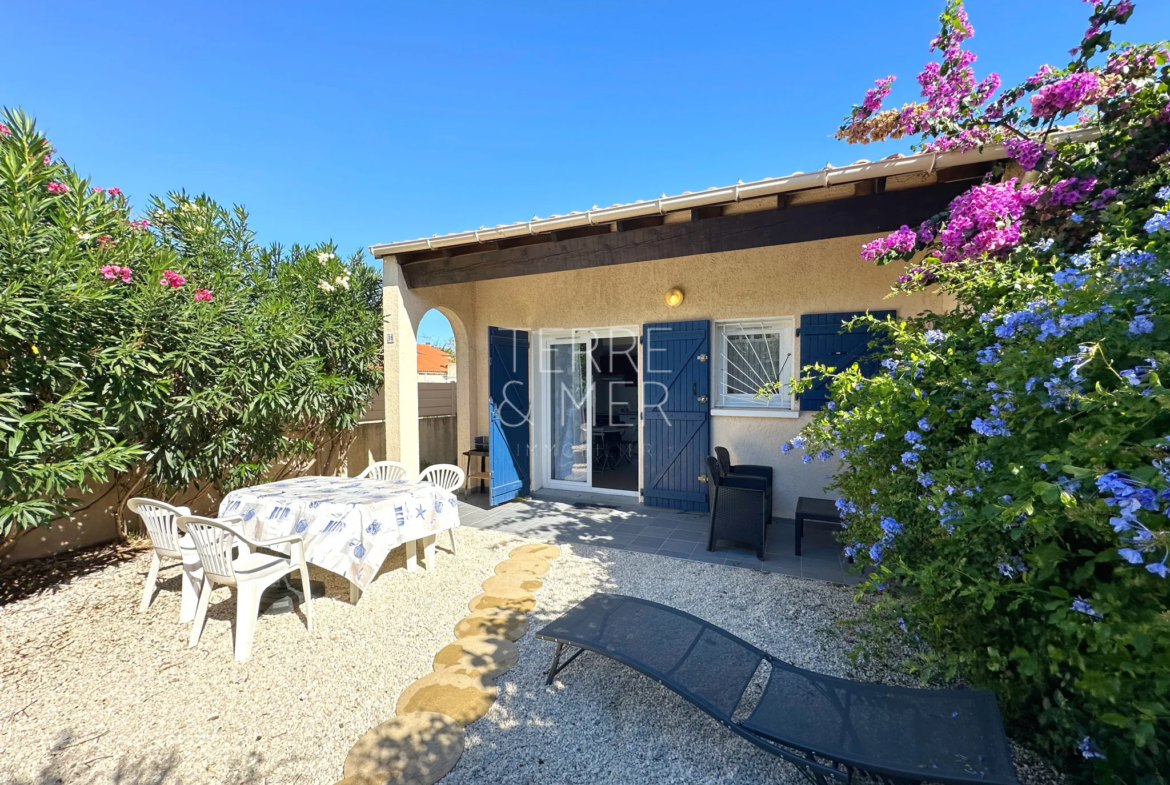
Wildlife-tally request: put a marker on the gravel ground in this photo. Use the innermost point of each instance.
(91, 691)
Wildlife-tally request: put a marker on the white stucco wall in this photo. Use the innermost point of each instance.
(790, 280)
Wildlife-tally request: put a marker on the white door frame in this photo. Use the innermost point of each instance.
(542, 406)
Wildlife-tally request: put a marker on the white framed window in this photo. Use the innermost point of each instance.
(753, 354)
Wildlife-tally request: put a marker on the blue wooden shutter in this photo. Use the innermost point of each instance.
(824, 340)
(508, 414)
(676, 407)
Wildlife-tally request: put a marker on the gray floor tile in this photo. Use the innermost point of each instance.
(639, 549)
(658, 531)
(677, 547)
(700, 553)
(822, 572)
(628, 528)
(785, 566)
(649, 542)
(687, 536)
(693, 526)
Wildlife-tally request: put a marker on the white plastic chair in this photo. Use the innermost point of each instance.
(169, 543)
(385, 471)
(251, 573)
(449, 478)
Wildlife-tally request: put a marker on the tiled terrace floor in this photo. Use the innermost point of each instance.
(568, 517)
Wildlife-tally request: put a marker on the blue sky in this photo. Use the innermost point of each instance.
(375, 122)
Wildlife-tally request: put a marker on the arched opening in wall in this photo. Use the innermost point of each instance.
(438, 374)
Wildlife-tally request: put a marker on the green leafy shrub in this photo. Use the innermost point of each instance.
(1005, 480)
(168, 353)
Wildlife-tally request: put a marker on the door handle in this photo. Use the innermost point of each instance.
(702, 399)
(702, 478)
(694, 388)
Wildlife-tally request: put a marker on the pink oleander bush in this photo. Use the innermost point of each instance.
(1005, 479)
(166, 352)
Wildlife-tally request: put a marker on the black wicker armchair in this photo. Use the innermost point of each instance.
(739, 508)
(748, 469)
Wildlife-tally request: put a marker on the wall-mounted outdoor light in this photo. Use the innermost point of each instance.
(674, 298)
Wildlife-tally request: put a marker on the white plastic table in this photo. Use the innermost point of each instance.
(349, 525)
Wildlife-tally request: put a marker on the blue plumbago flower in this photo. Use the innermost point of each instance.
(890, 364)
(845, 507)
(1030, 384)
(1012, 566)
(983, 464)
(875, 552)
(1131, 556)
(913, 437)
(873, 491)
(1141, 325)
(806, 459)
(878, 435)
(1163, 193)
(989, 354)
(824, 455)
(1044, 245)
(1096, 239)
(890, 526)
(786, 448)
(1158, 222)
(798, 442)
(985, 318)
(852, 550)
(1159, 568)
(924, 424)
(935, 336)
(831, 406)
(1071, 278)
(1060, 362)
(1080, 260)
(950, 489)
(1088, 749)
(1081, 605)
(990, 427)
(1006, 499)
(844, 453)
(925, 480)
(992, 386)
(902, 624)
(909, 458)
(1076, 218)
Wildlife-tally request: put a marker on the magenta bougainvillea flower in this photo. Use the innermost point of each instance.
(203, 295)
(1026, 152)
(172, 279)
(1067, 95)
(896, 244)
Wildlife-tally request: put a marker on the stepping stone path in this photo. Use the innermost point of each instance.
(461, 696)
(532, 565)
(511, 581)
(508, 599)
(414, 749)
(424, 742)
(493, 621)
(490, 655)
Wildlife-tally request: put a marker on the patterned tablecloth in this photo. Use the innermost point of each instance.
(349, 525)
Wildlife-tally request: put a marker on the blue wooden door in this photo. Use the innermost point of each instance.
(508, 413)
(676, 409)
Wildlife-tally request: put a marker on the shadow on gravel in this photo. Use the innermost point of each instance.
(25, 579)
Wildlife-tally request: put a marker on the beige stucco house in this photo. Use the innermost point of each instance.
(609, 350)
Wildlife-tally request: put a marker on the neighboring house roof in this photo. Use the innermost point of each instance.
(891, 166)
(432, 359)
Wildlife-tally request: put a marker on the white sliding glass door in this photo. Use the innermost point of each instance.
(567, 378)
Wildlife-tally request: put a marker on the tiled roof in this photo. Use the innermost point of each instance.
(432, 359)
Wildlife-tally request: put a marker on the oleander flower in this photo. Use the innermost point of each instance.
(203, 295)
(171, 279)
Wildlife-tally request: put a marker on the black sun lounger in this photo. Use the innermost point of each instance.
(830, 728)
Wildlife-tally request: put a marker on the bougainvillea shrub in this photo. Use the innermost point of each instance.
(166, 353)
(1005, 478)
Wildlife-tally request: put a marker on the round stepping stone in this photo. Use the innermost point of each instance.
(512, 581)
(516, 600)
(491, 655)
(526, 564)
(411, 749)
(464, 697)
(493, 621)
(380, 779)
(541, 550)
